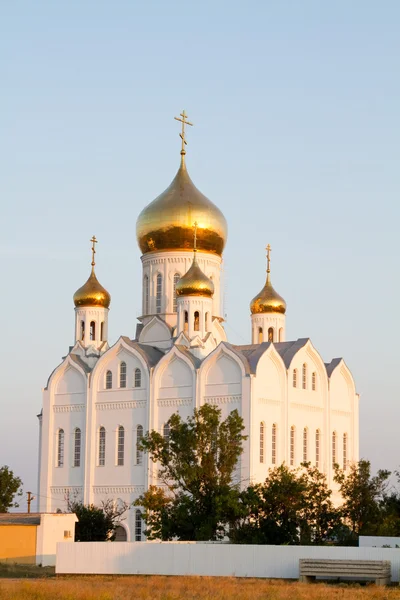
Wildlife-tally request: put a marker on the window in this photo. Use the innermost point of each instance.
(139, 453)
(262, 431)
(186, 325)
(146, 294)
(60, 448)
(175, 303)
(345, 452)
(196, 321)
(102, 447)
(294, 377)
(92, 330)
(77, 447)
(314, 382)
(166, 431)
(317, 448)
(158, 293)
(82, 330)
(108, 380)
(273, 456)
(281, 334)
(206, 318)
(333, 448)
(122, 375)
(271, 334)
(120, 446)
(304, 376)
(102, 331)
(138, 526)
(138, 378)
(292, 445)
(305, 445)
(260, 335)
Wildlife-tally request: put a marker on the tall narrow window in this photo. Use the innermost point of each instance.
(175, 303)
(146, 294)
(122, 375)
(138, 378)
(292, 445)
(121, 446)
(345, 452)
(262, 433)
(304, 376)
(294, 377)
(206, 318)
(77, 447)
(102, 447)
(274, 440)
(108, 380)
(158, 293)
(260, 335)
(92, 330)
(166, 432)
(305, 445)
(317, 448)
(60, 448)
(271, 334)
(138, 526)
(196, 321)
(139, 452)
(281, 334)
(333, 448)
(102, 331)
(186, 325)
(82, 330)
(314, 381)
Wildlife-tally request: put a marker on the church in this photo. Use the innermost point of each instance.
(101, 399)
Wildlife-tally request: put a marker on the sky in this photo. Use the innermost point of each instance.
(296, 135)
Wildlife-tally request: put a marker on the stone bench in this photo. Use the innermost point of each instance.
(377, 570)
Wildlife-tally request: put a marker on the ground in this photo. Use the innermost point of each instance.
(35, 583)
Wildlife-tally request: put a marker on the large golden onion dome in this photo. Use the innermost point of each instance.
(268, 300)
(194, 282)
(92, 292)
(167, 222)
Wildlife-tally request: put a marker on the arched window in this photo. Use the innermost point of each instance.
(166, 431)
(196, 324)
(139, 453)
(82, 330)
(294, 377)
(120, 446)
(304, 376)
(60, 448)
(271, 334)
(314, 381)
(345, 452)
(108, 380)
(274, 442)
(334, 449)
(292, 445)
(146, 294)
(186, 325)
(317, 448)
(77, 447)
(262, 433)
(206, 318)
(138, 378)
(175, 303)
(102, 447)
(138, 525)
(92, 331)
(260, 335)
(305, 444)
(158, 293)
(281, 334)
(102, 331)
(122, 375)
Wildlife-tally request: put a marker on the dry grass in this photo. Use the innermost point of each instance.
(186, 588)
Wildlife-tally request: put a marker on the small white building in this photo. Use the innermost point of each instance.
(100, 400)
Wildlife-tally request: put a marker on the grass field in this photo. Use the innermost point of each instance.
(183, 588)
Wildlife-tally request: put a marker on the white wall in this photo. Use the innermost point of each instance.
(188, 558)
(53, 528)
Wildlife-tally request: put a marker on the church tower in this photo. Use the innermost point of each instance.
(92, 303)
(268, 310)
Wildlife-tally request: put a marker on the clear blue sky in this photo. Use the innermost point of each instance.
(296, 139)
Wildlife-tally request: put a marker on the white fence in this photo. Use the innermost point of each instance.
(186, 558)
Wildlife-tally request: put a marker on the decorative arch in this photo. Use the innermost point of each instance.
(182, 361)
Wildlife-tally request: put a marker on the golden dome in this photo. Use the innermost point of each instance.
(92, 293)
(268, 300)
(194, 282)
(167, 222)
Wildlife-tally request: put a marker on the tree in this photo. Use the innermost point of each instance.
(10, 486)
(196, 465)
(96, 524)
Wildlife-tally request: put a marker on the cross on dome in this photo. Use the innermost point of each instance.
(182, 134)
(94, 241)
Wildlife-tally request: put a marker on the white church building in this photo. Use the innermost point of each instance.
(102, 399)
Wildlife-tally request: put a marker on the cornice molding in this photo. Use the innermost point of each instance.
(120, 405)
(175, 402)
(222, 399)
(118, 489)
(58, 490)
(66, 408)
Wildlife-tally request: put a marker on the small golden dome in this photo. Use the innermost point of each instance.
(195, 282)
(92, 293)
(167, 222)
(268, 300)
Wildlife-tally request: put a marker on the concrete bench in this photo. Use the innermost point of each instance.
(378, 570)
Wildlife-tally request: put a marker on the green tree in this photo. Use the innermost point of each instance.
(96, 523)
(10, 487)
(196, 463)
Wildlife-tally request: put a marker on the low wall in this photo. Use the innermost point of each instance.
(186, 558)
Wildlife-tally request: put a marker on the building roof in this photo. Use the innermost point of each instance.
(330, 367)
(20, 518)
(151, 354)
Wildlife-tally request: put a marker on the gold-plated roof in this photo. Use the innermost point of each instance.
(92, 292)
(195, 282)
(167, 222)
(268, 300)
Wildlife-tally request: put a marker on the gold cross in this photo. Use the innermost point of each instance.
(268, 249)
(195, 237)
(182, 135)
(94, 241)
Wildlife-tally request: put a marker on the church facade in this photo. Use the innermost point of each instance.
(102, 399)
